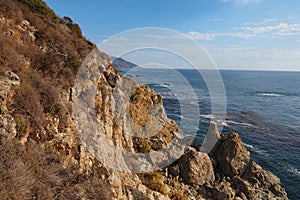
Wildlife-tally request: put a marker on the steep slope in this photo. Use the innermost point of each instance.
(49, 150)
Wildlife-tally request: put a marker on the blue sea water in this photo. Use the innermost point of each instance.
(262, 106)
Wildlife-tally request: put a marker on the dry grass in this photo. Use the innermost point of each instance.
(34, 172)
(47, 68)
(53, 58)
(156, 182)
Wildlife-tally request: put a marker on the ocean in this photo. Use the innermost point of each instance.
(262, 106)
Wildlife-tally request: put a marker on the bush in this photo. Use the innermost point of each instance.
(73, 26)
(47, 68)
(21, 127)
(35, 172)
(39, 7)
(155, 181)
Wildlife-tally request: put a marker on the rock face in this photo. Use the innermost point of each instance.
(9, 82)
(249, 179)
(232, 156)
(196, 168)
(56, 133)
(225, 173)
(261, 184)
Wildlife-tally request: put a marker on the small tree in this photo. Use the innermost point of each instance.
(73, 26)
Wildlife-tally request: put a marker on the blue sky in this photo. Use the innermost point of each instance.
(237, 34)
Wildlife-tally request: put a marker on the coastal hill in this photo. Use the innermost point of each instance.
(122, 65)
(44, 155)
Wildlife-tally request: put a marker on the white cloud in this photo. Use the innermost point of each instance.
(291, 17)
(238, 35)
(217, 19)
(279, 30)
(283, 29)
(201, 36)
(242, 2)
(263, 21)
(243, 57)
(157, 36)
(247, 2)
(210, 36)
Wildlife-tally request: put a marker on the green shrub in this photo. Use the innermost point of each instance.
(21, 127)
(39, 7)
(73, 26)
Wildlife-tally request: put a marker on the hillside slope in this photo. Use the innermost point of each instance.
(46, 151)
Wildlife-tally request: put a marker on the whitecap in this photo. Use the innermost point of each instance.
(196, 103)
(209, 116)
(248, 145)
(260, 151)
(239, 123)
(180, 116)
(269, 94)
(167, 94)
(294, 171)
(256, 150)
(224, 123)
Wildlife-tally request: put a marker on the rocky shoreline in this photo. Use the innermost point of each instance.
(226, 172)
(49, 150)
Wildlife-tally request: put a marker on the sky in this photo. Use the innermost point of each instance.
(237, 34)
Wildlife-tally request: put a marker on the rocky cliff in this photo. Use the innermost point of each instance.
(71, 127)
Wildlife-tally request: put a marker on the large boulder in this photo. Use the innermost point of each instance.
(231, 156)
(261, 183)
(196, 167)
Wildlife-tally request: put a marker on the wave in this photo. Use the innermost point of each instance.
(248, 145)
(269, 94)
(260, 151)
(175, 115)
(255, 149)
(294, 171)
(239, 123)
(197, 102)
(226, 122)
(208, 116)
(167, 94)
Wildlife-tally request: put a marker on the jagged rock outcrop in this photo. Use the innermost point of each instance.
(233, 167)
(9, 82)
(52, 129)
(196, 168)
(191, 177)
(232, 156)
(258, 183)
